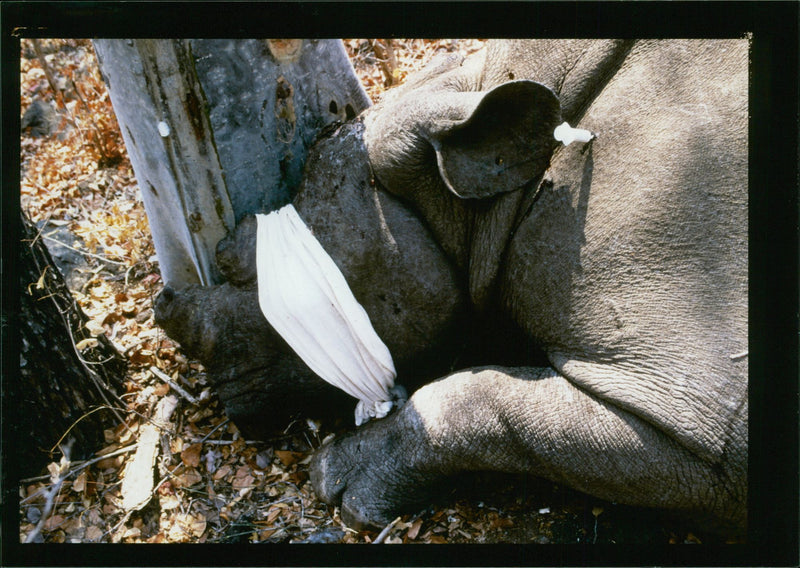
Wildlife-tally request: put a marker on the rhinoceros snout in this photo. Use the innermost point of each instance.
(162, 304)
(166, 295)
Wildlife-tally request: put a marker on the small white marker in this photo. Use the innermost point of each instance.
(163, 129)
(567, 135)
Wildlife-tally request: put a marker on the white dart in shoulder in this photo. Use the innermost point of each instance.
(565, 134)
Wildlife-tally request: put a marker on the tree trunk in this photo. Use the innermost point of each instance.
(68, 384)
(218, 129)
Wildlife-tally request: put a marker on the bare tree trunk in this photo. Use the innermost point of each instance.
(68, 381)
(218, 129)
(162, 116)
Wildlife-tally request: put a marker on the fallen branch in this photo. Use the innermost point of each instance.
(116, 531)
(80, 465)
(84, 252)
(224, 442)
(50, 496)
(217, 427)
(137, 486)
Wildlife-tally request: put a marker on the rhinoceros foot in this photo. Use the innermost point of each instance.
(370, 474)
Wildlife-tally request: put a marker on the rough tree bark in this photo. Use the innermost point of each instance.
(218, 129)
(68, 381)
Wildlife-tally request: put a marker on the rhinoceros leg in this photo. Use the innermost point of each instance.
(516, 420)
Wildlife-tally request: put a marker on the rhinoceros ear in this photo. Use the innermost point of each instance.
(503, 143)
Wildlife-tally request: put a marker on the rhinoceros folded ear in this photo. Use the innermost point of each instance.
(504, 142)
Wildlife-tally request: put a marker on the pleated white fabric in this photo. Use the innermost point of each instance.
(305, 297)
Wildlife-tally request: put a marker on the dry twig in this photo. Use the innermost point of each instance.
(384, 51)
(58, 474)
(177, 388)
(385, 532)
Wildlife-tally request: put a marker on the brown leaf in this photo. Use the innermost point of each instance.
(165, 488)
(298, 477)
(169, 502)
(53, 522)
(265, 534)
(289, 458)
(185, 527)
(238, 444)
(243, 479)
(91, 488)
(141, 357)
(132, 533)
(32, 489)
(161, 389)
(98, 292)
(129, 434)
(222, 472)
(89, 342)
(94, 328)
(691, 539)
(413, 531)
(110, 463)
(205, 413)
(274, 513)
(129, 309)
(191, 455)
(189, 477)
(93, 534)
(151, 279)
(55, 470)
(80, 483)
(501, 522)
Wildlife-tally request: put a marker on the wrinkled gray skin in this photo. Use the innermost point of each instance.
(623, 260)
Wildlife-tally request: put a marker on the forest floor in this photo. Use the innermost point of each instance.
(210, 484)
